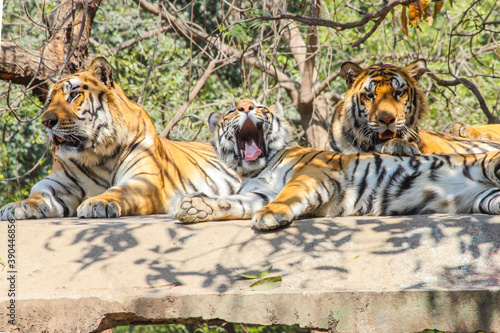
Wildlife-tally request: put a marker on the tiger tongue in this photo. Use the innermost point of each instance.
(252, 151)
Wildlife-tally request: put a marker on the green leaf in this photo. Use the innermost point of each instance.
(255, 276)
(266, 283)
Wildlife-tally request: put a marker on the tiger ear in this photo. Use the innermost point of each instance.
(417, 68)
(350, 71)
(101, 69)
(213, 120)
(277, 109)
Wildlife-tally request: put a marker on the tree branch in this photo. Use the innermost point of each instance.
(201, 82)
(138, 39)
(19, 66)
(316, 21)
(230, 53)
(469, 85)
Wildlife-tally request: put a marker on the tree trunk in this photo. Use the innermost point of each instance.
(65, 52)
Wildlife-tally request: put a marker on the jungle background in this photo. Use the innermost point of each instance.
(182, 60)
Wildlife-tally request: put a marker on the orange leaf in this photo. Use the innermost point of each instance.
(437, 8)
(415, 13)
(404, 21)
(428, 15)
(425, 3)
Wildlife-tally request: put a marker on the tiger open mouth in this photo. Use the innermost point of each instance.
(58, 141)
(249, 140)
(387, 134)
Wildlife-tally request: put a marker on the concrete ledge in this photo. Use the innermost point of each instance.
(354, 274)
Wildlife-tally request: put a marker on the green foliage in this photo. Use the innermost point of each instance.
(22, 147)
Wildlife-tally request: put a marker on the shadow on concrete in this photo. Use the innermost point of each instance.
(297, 245)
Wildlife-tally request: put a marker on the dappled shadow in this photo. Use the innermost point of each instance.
(402, 253)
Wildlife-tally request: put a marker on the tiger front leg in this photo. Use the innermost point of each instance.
(400, 147)
(49, 198)
(302, 195)
(201, 208)
(273, 216)
(464, 131)
(135, 197)
(36, 206)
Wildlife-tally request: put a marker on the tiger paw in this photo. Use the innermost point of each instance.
(200, 208)
(400, 147)
(464, 131)
(26, 209)
(95, 207)
(272, 217)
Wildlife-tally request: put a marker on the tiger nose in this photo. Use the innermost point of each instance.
(50, 119)
(246, 108)
(50, 122)
(387, 121)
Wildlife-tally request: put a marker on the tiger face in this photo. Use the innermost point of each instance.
(382, 103)
(78, 117)
(248, 134)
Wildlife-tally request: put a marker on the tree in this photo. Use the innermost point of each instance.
(63, 51)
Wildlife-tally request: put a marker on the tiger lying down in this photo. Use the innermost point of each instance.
(283, 182)
(108, 159)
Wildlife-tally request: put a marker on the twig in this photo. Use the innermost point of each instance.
(135, 40)
(82, 28)
(192, 96)
(469, 85)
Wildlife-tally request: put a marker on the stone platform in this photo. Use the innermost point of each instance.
(355, 274)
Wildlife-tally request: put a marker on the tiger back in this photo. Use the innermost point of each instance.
(109, 160)
(381, 112)
(282, 182)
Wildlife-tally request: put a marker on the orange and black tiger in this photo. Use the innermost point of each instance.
(282, 182)
(109, 160)
(381, 112)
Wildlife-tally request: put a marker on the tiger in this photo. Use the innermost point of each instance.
(282, 181)
(108, 160)
(381, 112)
(480, 132)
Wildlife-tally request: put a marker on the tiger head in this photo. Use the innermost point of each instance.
(383, 101)
(83, 112)
(249, 134)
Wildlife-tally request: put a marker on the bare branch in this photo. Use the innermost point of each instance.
(316, 21)
(138, 39)
(469, 85)
(24, 67)
(201, 82)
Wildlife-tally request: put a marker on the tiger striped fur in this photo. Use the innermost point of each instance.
(109, 160)
(480, 132)
(381, 112)
(284, 182)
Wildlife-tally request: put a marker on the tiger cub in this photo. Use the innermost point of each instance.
(282, 182)
(381, 112)
(108, 159)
